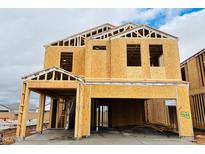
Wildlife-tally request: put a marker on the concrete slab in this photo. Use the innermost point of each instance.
(143, 136)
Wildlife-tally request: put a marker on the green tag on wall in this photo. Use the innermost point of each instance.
(185, 114)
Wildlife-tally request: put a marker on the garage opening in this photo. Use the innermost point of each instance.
(122, 114)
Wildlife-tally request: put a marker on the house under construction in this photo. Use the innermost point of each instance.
(193, 71)
(110, 77)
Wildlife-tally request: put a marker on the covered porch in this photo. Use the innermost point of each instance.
(63, 89)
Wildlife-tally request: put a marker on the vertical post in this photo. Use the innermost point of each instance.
(95, 110)
(25, 113)
(77, 108)
(102, 116)
(67, 114)
(109, 116)
(57, 113)
(21, 107)
(78, 112)
(98, 117)
(39, 127)
(50, 113)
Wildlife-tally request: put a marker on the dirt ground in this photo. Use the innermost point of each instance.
(8, 136)
(137, 136)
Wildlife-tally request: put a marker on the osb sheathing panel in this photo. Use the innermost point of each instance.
(157, 112)
(134, 91)
(52, 58)
(131, 73)
(184, 112)
(193, 74)
(157, 72)
(49, 84)
(97, 64)
(119, 67)
(86, 112)
(112, 62)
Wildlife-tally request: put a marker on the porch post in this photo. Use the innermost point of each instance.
(78, 112)
(23, 112)
(39, 127)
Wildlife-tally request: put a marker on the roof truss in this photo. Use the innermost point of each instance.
(109, 31)
(53, 73)
(115, 31)
(79, 39)
(143, 31)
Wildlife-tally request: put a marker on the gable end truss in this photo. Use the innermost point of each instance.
(53, 73)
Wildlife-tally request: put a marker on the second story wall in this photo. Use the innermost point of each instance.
(53, 58)
(109, 59)
(97, 59)
(168, 70)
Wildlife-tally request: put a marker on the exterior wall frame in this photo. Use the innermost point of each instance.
(179, 92)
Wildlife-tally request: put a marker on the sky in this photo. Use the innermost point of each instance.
(23, 32)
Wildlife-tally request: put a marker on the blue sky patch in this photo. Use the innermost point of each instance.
(163, 15)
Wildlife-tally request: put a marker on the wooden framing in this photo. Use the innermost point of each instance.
(43, 75)
(196, 65)
(143, 31)
(115, 31)
(104, 74)
(107, 31)
(198, 106)
(78, 39)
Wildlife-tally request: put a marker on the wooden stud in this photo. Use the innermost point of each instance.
(50, 113)
(202, 110)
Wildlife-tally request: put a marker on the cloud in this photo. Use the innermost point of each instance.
(190, 30)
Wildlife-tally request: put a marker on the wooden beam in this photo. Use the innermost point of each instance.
(34, 84)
